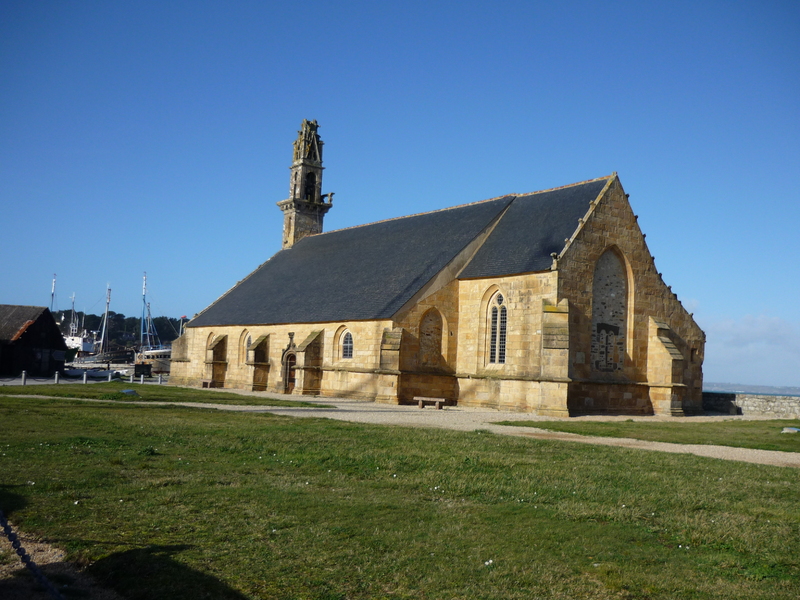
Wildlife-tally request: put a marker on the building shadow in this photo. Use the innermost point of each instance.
(151, 573)
(10, 501)
(146, 573)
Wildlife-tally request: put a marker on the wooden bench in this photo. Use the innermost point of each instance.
(422, 401)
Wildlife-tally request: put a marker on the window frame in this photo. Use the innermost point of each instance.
(347, 345)
(498, 329)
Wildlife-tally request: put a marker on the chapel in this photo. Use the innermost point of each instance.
(546, 302)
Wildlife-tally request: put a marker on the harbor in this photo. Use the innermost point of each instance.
(91, 353)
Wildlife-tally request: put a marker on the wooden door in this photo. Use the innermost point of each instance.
(218, 374)
(260, 377)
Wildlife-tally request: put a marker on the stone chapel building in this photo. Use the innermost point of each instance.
(547, 302)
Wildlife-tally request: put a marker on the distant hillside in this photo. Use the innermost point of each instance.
(751, 389)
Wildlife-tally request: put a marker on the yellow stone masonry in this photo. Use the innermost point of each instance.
(612, 224)
(586, 336)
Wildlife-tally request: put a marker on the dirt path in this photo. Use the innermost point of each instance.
(17, 583)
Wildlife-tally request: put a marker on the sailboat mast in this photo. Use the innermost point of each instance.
(143, 324)
(73, 326)
(53, 293)
(104, 332)
(148, 339)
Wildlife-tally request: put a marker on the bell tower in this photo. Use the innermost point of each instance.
(306, 206)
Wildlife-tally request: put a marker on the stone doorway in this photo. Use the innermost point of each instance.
(290, 374)
(260, 362)
(218, 374)
(217, 355)
(311, 376)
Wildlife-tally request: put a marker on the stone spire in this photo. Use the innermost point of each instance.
(305, 208)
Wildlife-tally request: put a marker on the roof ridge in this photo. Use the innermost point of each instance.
(438, 210)
(24, 306)
(561, 187)
(430, 212)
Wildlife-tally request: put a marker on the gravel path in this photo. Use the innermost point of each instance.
(470, 419)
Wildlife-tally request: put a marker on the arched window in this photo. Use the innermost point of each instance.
(498, 323)
(309, 193)
(347, 345)
(609, 312)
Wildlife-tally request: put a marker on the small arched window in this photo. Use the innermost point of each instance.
(498, 324)
(347, 345)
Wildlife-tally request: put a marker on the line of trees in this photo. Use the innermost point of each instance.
(123, 332)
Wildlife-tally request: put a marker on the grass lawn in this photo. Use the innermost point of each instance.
(761, 435)
(171, 502)
(154, 393)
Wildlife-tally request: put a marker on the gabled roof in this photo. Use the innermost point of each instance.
(369, 272)
(14, 320)
(535, 226)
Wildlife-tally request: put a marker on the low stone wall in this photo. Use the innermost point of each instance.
(752, 405)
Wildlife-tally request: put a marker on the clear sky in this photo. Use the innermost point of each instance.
(157, 136)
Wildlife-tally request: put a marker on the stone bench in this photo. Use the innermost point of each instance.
(207, 383)
(422, 401)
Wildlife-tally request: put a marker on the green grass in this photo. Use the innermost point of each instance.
(171, 502)
(761, 435)
(150, 392)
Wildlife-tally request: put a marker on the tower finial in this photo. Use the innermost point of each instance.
(306, 206)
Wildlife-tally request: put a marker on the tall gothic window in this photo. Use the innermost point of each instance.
(347, 345)
(498, 322)
(609, 313)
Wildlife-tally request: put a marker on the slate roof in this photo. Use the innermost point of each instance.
(534, 227)
(13, 320)
(370, 272)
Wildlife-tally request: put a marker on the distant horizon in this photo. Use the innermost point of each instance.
(748, 388)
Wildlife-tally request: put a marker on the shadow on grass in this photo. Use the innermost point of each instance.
(151, 573)
(11, 501)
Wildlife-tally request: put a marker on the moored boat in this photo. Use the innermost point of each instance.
(151, 352)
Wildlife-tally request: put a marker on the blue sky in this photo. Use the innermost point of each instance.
(156, 136)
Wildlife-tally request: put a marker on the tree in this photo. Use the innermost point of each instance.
(122, 331)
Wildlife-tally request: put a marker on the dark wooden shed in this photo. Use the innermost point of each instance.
(30, 341)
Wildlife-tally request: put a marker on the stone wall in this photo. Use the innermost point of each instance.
(530, 379)
(611, 226)
(523, 295)
(753, 405)
(413, 354)
(356, 377)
